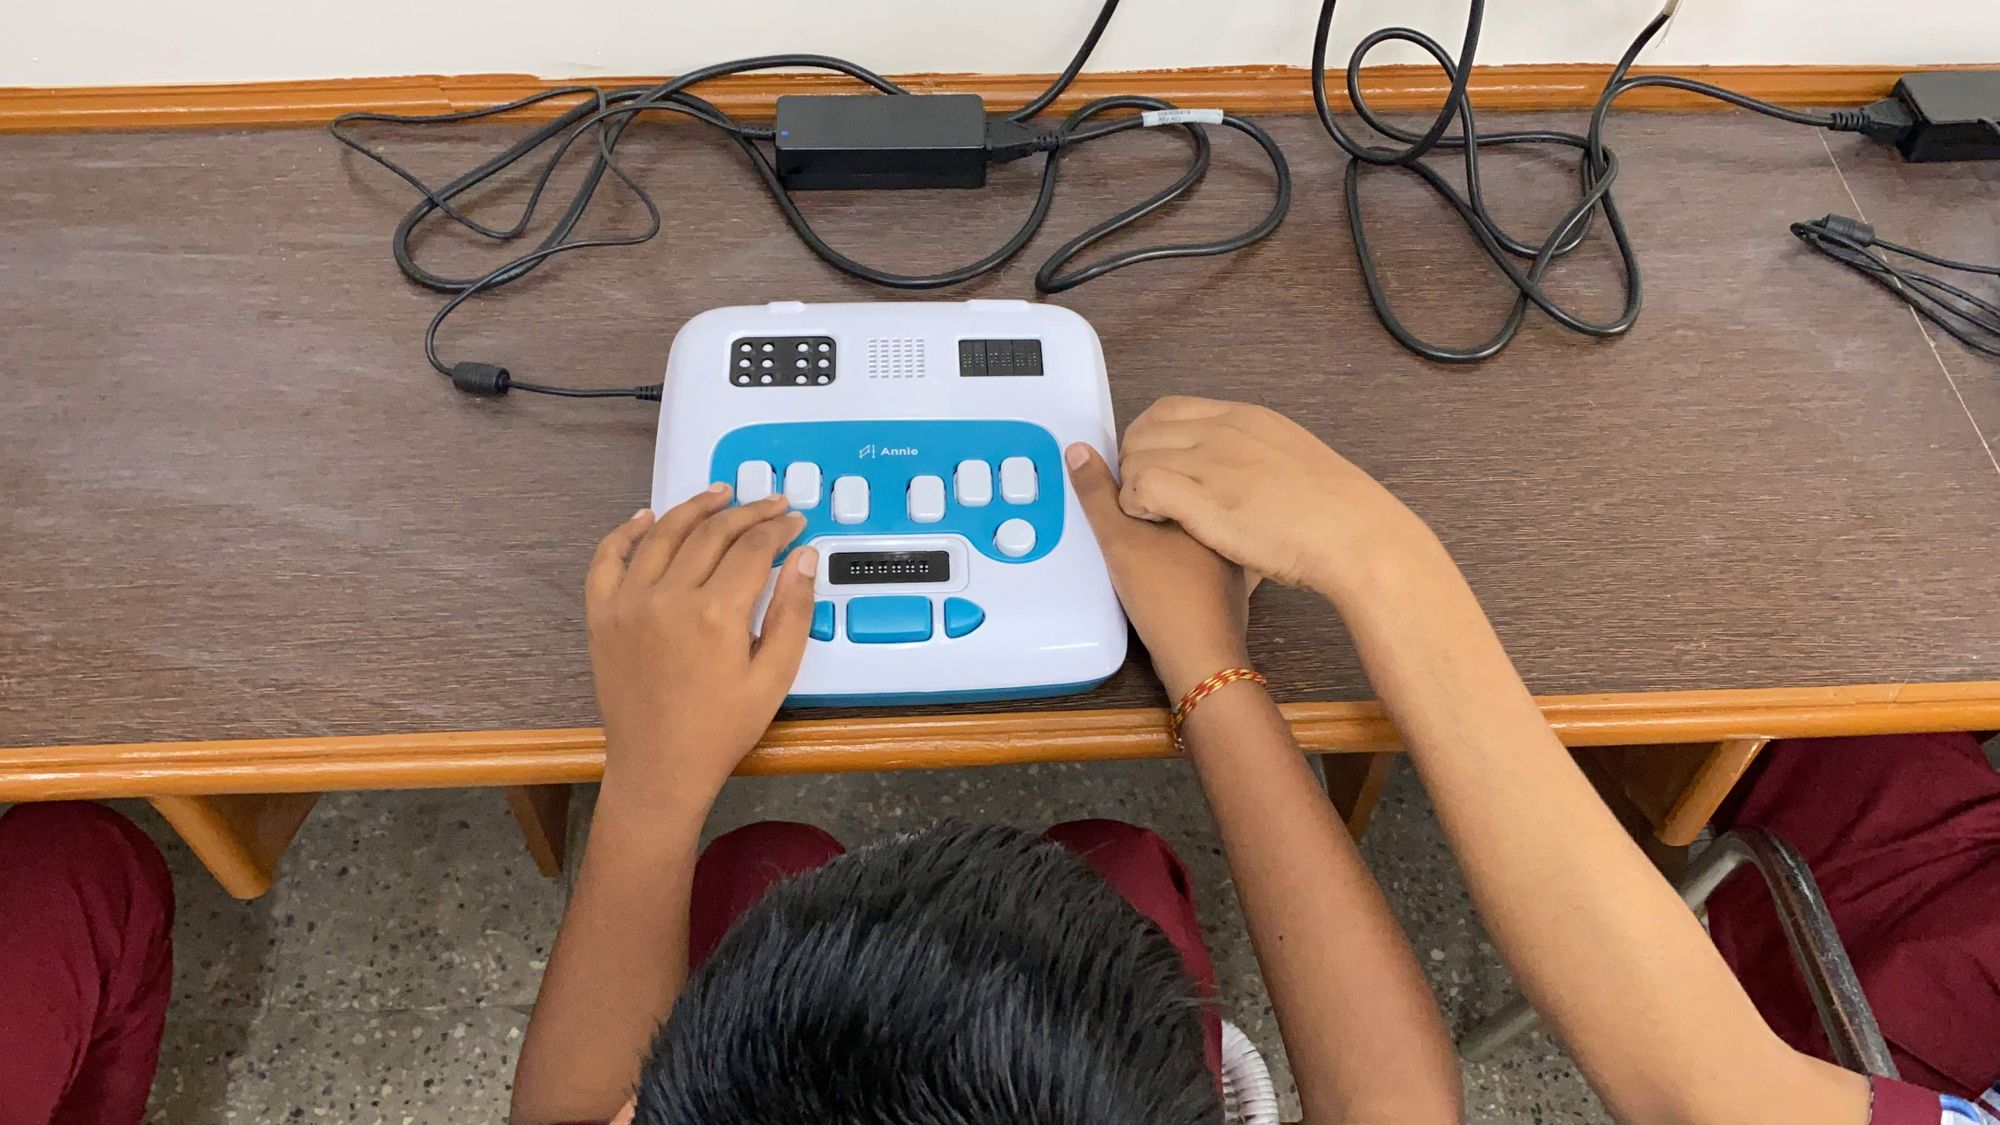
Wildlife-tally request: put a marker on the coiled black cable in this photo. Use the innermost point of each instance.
(1597, 171)
(606, 115)
(1970, 319)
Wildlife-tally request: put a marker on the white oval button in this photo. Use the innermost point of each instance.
(926, 499)
(1017, 480)
(974, 483)
(802, 483)
(850, 500)
(754, 481)
(1015, 538)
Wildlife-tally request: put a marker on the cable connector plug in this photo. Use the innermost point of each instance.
(488, 380)
(1888, 120)
(1008, 140)
(1845, 229)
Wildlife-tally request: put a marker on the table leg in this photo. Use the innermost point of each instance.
(1671, 861)
(543, 811)
(1354, 785)
(239, 837)
(1678, 788)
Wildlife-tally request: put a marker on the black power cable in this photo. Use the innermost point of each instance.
(1047, 97)
(1597, 170)
(1968, 318)
(605, 115)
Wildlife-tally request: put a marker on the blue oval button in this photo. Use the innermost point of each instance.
(822, 626)
(889, 619)
(962, 617)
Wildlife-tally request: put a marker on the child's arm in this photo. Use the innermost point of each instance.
(1600, 943)
(685, 693)
(1360, 1025)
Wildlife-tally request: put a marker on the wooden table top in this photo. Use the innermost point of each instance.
(235, 503)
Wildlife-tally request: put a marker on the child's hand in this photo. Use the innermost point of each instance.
(685, 689)
(1262, 490)
(1189, 604)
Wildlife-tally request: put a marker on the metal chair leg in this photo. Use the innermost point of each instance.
(1843, 1009)
(1498, 1030)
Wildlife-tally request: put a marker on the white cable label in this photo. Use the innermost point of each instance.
(1153, 117)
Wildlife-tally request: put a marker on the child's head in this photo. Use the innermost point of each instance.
(958, 977)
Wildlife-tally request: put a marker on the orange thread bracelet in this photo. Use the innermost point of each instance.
(1202, 691)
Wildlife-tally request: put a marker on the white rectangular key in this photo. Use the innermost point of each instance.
(850, 499)
(802, 485)
(974, 483)
(1017, 480)
(754, 480)
(927, 499)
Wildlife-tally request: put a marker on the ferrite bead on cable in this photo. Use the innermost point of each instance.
(485, 379)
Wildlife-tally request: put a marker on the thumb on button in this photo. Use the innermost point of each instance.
(1096, 490)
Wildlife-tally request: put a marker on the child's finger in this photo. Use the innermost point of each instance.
(782, 645)
(1181, 408)
(1097, 491)
(662, 543)
(746, 566)
(1153, 491)
(706, 544)
(607, 564)
(1165, 434)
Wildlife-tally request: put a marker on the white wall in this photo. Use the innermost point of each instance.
(108, 42)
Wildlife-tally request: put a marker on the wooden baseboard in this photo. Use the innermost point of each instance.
(893, 742)
(1253, 89)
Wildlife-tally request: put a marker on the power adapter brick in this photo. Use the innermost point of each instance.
(1939, 115)
(870, 141)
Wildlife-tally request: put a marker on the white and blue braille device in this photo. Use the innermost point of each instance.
(923, 442)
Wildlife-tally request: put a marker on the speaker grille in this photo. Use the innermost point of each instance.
(896, 357)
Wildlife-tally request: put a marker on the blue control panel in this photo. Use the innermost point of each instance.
(998, 483)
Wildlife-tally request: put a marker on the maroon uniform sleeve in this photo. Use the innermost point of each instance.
(1898, 1103)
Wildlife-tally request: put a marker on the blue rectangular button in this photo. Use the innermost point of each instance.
(889, 619)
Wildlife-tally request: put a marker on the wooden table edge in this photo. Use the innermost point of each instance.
(238, 803)
(446, 759)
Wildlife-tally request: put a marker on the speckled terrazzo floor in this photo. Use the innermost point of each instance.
(388, 975)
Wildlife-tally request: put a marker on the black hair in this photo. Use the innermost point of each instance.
(960, 976)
